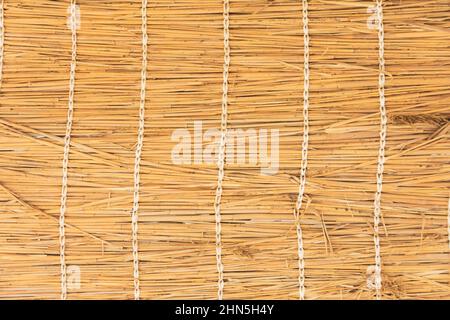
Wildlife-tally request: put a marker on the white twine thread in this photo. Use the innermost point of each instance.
(304, 164)
(448, 223)
(2, 40)
(70, 21)
(65, 165)
(137, 160)
(222, 145)
(381, 153)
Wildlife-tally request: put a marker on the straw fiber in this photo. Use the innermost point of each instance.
(177, 227)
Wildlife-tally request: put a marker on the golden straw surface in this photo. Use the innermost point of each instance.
(184, 84)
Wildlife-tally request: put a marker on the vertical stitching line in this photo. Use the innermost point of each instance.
(2, 40)
(223, 137)
(448, 223)
(137, 161)
(65, 165)
(381, 154)
(304, 163)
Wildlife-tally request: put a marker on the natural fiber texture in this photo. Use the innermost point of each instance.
(138, 155)
(222, 146)
(448, 226)
(177, 221)
(65, 163)
(305, 143)
(382, 151)
(2, 38)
